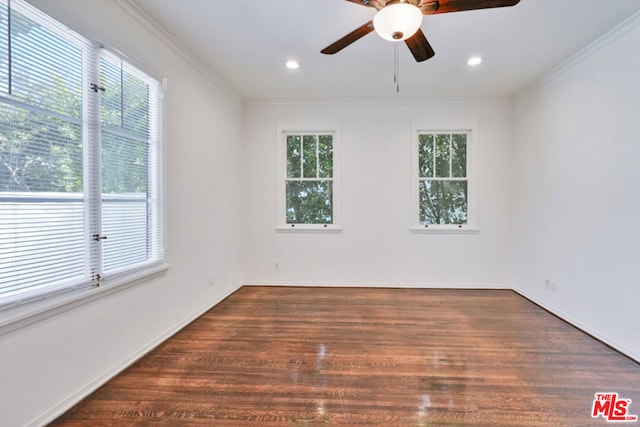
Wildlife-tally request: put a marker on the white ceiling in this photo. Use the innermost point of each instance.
(246, 43)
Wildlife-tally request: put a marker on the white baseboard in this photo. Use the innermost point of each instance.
(391, 285)
(73, 399)
(619, 347)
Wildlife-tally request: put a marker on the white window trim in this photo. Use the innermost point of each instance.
(302, 128)
(471, 227)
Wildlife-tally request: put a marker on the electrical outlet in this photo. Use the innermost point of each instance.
(554, 286)
(212, 282)
(547, 284)
(276, 266)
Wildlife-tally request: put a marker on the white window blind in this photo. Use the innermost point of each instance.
(80, 157)
(130, 127)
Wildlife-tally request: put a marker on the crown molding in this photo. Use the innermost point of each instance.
(377, 101)
(573, 61)
(137, 13)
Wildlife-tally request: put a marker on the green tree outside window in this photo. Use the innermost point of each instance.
(443, 181)
(309, 182)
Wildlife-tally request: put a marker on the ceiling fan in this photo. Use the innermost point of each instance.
(398, 20)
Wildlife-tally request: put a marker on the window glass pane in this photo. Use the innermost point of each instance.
(443, 202)
(425, 152)
(46, 68)
(309, 202)
(41, 200)
(42, 205)
(38, 152)
(129, 207)
(443, 155)
(124, 200)
(325, 156)
(135, 105)
(459, 155)
(41, 240)
(124, 164)
(309, 159)
(124, 222)
(293, 156)
(4, 48)
(111, 98)
(129, 147)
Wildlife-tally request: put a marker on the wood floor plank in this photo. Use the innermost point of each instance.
(271, 356)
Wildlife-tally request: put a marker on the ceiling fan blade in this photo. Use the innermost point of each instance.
(356, 34)
(378, 4)
(419, 46)
(430, 7)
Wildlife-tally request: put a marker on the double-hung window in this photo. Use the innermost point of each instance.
(308, 182)
(80, 161)
(442, 185)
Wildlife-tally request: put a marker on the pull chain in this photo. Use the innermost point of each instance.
(396, 76)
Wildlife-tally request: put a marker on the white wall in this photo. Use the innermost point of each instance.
(375, 246)
(48, 365)
(578, 190)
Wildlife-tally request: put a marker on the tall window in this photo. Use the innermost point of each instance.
(80, 189)
(129, 112)
(309, 180)
(443, 180)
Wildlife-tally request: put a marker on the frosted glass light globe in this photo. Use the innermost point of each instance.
(397, 22)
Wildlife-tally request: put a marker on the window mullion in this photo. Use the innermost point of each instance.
(433, 150)
(317, 156)
(301, 156)
(450, 155)
(9, 48)
(93, 166)
(121, 95)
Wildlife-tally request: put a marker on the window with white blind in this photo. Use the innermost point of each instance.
(80, 161)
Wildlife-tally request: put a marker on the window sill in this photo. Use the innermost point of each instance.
(21, 315)
(444, 229)
(309, 228)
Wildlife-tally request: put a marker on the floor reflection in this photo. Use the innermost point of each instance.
(443, 386)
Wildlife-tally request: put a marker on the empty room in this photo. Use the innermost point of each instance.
(304, 213)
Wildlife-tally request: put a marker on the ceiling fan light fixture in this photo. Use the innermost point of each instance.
(397, 21)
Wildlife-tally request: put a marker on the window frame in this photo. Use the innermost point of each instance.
(471, 227)
(283, 130)
(35, 306)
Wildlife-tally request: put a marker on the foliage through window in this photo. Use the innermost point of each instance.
(80, 146)
(442, 178)
(309, 178)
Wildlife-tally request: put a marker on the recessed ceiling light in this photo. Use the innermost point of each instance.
(293, 64)
(474, 60)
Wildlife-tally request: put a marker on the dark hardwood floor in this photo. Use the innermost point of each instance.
(270, 356)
